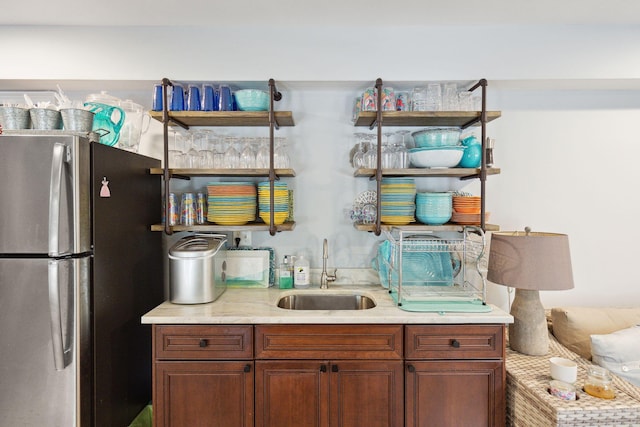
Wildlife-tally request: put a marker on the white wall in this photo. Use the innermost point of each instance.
(338, 53)
(567, 156)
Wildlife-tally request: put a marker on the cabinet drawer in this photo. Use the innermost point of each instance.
(187, 342)
(328, 341)
(454, 341)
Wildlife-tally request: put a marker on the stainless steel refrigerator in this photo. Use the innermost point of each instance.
(79, 266)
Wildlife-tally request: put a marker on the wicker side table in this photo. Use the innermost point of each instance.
(529, 404)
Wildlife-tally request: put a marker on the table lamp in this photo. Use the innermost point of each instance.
(530, 262)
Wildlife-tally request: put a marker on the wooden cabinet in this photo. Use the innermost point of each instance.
(328, 375)
(202, 393)
(203, 376)
(454, 375)
(291, 393)
(360, 385)
(320, 393)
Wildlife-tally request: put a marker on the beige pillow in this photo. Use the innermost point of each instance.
(573, 326)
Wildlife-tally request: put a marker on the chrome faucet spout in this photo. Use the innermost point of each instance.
(324, 277)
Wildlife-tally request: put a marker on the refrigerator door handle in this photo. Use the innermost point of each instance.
(55, 309)
(55, 191)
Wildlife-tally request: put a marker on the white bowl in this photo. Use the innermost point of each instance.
(436, 157)
(564, 370)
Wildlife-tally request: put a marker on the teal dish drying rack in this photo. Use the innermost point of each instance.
(427, 271)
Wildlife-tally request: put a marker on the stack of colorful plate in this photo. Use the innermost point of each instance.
(231, 203)
(398, 200)
(280, 202)
(467, 209)
(467, 204)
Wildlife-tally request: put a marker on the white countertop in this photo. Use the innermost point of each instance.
(259, 306)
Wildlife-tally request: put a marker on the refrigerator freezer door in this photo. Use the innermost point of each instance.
(127, 283)
(32, 219)
(32, 391)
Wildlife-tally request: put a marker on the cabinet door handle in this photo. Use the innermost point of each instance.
(323, 368)
(411, 368)
(455, 343)
(247, 368)
(334, 368)
(203, 343)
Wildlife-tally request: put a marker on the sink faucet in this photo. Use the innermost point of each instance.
(324, 277)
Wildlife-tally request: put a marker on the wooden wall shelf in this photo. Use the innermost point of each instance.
(425, 118)
(225, 118)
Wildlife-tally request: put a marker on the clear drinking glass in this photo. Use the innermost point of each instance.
(464, 100)
(371, 156)
(262, 154)
(192, 156)
(280, 155)
(219, 150)
(177, 143)
(176, 159)
(231, 154)
(450, 97)
(388, 157)
(247, 155)
(402, 152)
(434, 97)
(201, 145)
(419, 99)
(357, 160)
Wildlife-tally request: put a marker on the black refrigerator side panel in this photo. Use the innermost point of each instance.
(127, 280)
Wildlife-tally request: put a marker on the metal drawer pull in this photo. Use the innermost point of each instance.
(411, 368)
(455, 343)
(323, 368)
(203, 343)
(334, 368)
(247, 368)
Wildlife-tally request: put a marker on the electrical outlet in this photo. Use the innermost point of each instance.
(244, 236)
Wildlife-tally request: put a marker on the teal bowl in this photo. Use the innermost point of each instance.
(251, 100)
(436, 137)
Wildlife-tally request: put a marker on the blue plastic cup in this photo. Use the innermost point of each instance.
(208, 98)
(177, 98)
(193, 98)
(226, 98)
(157, 98)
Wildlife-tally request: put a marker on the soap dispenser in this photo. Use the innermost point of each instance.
(301, 273)
(286, 273)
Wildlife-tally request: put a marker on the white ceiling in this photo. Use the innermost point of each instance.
(374, 15)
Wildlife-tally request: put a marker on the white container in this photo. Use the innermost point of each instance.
(301, 273)
(564, 370)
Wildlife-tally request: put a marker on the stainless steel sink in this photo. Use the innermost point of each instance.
(303, 301)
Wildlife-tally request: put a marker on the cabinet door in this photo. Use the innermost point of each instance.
(455, 393)
(292, 393)
(203, 394)
(366, 393)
